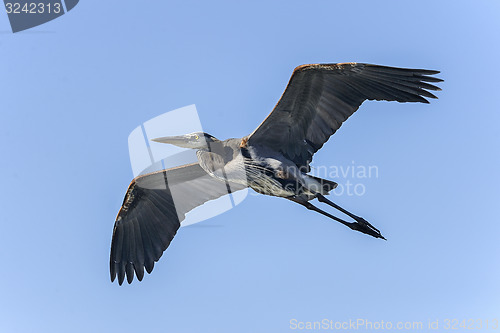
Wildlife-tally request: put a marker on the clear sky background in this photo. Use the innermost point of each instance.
(73, 89)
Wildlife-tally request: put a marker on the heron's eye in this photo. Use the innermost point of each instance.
(196, 137)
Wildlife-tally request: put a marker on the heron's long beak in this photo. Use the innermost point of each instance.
(179, 141)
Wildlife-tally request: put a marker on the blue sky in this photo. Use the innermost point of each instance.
(74, 88)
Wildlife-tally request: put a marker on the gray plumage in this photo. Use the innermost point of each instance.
(273, 160)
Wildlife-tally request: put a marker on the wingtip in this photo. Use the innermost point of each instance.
(129, 272)
(139, 272)
(121, 277)
(431, 71)
(149, 266)
(112, 271)
(427, 78)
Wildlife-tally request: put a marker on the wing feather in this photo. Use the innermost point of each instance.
(320, 97)
(151, 213)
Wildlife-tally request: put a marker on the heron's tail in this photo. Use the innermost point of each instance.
(327, 185)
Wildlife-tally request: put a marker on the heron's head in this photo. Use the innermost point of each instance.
(197, 140)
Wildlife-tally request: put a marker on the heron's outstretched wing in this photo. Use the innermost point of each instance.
(320, 97)
(151, 213)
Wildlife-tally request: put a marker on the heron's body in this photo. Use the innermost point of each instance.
(262, 169)
(273, 160)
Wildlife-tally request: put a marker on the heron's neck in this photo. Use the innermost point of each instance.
(214, 147)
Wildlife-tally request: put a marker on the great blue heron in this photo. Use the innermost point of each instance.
(273, 160)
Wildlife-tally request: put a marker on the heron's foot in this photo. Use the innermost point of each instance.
(363, 226)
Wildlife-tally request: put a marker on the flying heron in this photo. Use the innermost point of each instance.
(273, 160)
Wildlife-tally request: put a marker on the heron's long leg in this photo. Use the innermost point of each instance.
(353, 225)
(321, 198)
(360, 220)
